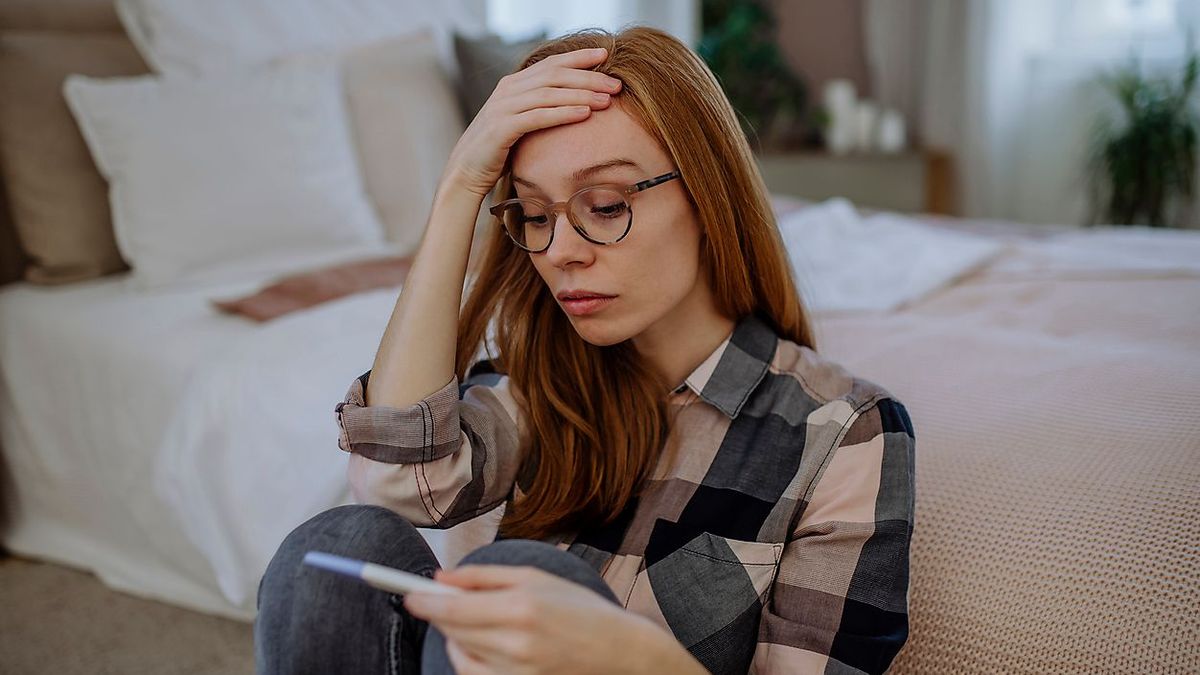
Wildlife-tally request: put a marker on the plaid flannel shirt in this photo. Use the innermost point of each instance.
(777, 542)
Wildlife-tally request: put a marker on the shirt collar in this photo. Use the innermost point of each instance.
(727, 377)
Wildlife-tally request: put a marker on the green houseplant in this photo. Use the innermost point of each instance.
(739, 45)
(1144, 170)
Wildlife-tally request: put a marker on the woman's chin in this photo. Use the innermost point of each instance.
(598, 332)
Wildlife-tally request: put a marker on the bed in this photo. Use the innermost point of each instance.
(1054, 388)
(169, 448)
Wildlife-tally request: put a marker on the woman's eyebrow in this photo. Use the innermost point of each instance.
(586, 172)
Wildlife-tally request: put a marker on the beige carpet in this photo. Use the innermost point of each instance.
(54, 619)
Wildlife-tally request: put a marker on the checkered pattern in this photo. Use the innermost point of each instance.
(777, 542)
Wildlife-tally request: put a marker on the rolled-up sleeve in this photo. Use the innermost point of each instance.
(839, 602)
(443, 460)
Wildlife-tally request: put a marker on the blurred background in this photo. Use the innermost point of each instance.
(985, 109)
(208, 208)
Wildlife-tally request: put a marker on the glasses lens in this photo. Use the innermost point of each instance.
(603, 213)
(527, 223)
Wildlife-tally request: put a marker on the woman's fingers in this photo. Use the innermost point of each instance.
(545, 97)
(496, 642)
(475, 575)
(541, 118)
(475, 609)
(463, 662)
(572, 78)
(578, 58)
(564, 70)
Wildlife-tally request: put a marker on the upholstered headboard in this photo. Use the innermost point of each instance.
(12, 260)
(69, 16)
(65, 15)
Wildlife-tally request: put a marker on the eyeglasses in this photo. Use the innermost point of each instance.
(599, 213)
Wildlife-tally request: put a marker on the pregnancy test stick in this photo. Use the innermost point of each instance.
(379, 576)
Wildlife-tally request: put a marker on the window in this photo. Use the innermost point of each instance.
(1151, 29)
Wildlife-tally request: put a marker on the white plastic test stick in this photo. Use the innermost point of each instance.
(380, 576)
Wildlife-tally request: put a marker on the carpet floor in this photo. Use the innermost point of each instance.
(55, 619)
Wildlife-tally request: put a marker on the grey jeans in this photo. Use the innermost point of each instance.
(314, 621)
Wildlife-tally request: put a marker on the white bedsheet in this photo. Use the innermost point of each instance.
(169, 447)
(847, 262)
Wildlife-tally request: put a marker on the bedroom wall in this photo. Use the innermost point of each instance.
(823, 40)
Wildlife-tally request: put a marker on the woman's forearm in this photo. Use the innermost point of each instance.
(416, 354)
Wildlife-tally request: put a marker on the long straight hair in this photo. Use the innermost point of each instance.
(597, 417)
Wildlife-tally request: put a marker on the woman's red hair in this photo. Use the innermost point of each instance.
(597, 418)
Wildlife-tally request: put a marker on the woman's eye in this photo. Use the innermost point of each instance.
(537, 221)
(611, 211)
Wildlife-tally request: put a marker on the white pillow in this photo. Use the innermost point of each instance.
(222, 172)
(192, 37)
(405, 120)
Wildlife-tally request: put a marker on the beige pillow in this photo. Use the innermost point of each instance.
(406, 120)
(57, 198)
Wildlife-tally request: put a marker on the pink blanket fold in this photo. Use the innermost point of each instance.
(308, 289)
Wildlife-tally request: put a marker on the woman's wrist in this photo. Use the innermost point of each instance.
(456, 179)
(456, 208)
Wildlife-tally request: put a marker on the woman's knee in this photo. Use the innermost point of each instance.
(310, 620)
(352, 530)
(544, 556)
(361, 531)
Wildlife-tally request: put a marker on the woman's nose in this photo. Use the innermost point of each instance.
(568, 245)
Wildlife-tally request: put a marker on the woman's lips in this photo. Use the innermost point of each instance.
(585, 306)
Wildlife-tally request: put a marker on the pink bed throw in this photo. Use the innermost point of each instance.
(308, 289)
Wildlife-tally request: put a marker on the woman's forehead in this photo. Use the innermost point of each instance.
(550, 158)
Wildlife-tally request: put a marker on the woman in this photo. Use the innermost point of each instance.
(688, 486)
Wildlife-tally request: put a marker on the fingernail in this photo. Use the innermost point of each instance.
(600, 97)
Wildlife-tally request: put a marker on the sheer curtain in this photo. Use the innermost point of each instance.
(1008, 87)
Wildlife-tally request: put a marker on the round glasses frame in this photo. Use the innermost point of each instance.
(553, 208)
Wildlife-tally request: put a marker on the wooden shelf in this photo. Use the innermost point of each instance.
(912, 182)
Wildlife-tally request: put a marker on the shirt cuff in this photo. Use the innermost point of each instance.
(421, 432)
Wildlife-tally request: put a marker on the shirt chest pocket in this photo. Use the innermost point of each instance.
(708, 590)
(728, 562)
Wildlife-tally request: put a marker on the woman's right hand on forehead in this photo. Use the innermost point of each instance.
(556, 90)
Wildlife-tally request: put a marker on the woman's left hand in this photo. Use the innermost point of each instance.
(524, 620)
